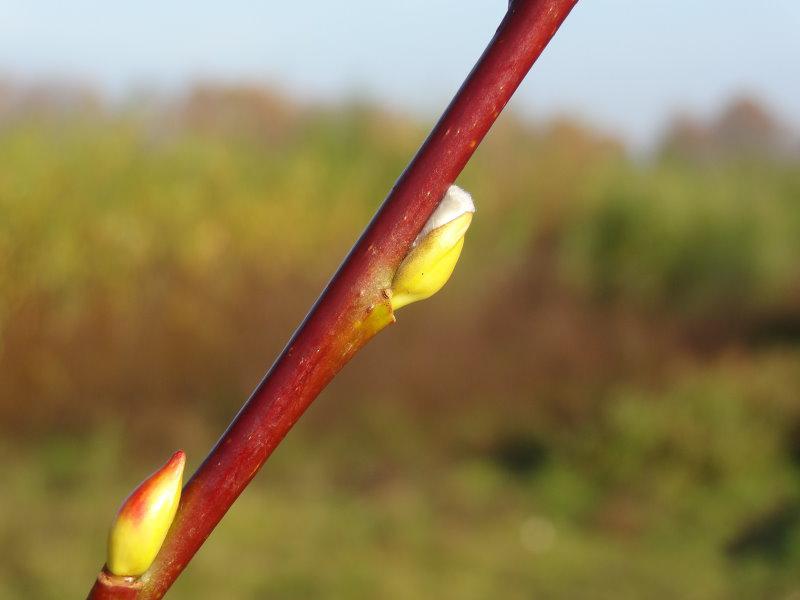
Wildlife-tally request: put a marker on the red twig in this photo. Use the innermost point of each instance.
(111, 587)
(352, 307)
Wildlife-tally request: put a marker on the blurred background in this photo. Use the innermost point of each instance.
(603, 402)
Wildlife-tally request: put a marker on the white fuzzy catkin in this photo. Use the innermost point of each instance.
(455, 203)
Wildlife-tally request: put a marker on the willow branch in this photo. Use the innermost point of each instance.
(353, 306)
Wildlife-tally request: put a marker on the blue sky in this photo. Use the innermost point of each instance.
(625, 65)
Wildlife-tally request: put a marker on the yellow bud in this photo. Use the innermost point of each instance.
(144, 518)
(435, 252)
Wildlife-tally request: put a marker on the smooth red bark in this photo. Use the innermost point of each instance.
(111, 587)
(334, 328)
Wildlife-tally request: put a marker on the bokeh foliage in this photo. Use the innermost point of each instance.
(604, 402)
